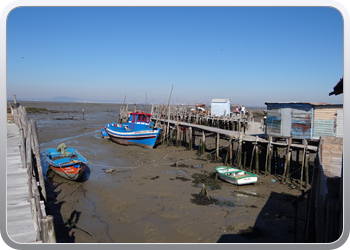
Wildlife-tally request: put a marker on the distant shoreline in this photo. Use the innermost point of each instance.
(249, 108)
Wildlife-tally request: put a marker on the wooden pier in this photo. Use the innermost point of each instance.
(246, 147)
(27, 221)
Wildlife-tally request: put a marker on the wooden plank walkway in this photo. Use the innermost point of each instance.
(20, 226)
(250, 136)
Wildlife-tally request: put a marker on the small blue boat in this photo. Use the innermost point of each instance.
(68, 164)
(139, 130)
(104, 133)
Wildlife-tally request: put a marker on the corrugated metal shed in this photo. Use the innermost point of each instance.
(339, 123)
(220, 107)
(304, 120)
(324, 120)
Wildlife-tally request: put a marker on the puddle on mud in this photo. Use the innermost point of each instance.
(173, 172)
(180, 178)
(182, 165)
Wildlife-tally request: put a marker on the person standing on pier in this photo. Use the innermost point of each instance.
(243, 110)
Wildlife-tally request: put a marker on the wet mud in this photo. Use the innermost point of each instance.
(129, 194)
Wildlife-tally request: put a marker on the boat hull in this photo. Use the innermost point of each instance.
(70, 172)
(236, 176)
(104, 133)
(145, 138)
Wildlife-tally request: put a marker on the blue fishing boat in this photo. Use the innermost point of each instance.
(139, 130)
(66, 162)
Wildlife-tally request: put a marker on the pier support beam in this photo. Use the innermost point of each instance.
(302, 164)
(203, 143)
(256, 156)
(217, 145)
(190, 143)
(287, 161)
(268, 157)
(239, 151)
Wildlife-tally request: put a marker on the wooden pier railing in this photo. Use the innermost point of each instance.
(30, 158)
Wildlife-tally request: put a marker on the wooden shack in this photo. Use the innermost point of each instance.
(304, 120)
(220, 107)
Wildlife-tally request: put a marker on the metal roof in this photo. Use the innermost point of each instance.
(220, 100)
(310, 103)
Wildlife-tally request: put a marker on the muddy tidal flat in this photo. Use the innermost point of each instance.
(129, 194)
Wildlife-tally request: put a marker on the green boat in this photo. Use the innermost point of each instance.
(236, 176)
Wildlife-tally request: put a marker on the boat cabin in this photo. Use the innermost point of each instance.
(140, 117)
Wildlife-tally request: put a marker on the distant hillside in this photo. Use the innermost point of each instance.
(63, 99)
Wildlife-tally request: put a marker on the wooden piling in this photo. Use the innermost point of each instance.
(268, 157)
(190, 143)
(29, 162)
(177, 136)
(252, 157)
(302, 163)
(231, 149)
(239, 151)
(287, 161)
(307, 156)
(217, 145)
(244, 159)
(256, 155)
(203, 142)
(36, 150)
(226, 156)
(48, 230)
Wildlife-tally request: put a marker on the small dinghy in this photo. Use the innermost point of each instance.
(66, 162)
(236, 176)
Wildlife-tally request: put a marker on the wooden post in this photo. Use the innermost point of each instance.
(83, 114)
(29, 161)
(194, 137)
(217, 144)
(177, 135)
(256, 156)
(287, 161)
(35, 192)
(126, 113)
(268, 156)
(239, 151)
(48, 230)
(244, 158)
(190, 143)
(231, 149)
(35, 219)
(252, 157)
(14, 99)
(270, 159)
(239, 124)
(302, 163)
(307, 169)
(203, 142)
(226, 156)
(22, 148)
(36, 150)
(184, 139)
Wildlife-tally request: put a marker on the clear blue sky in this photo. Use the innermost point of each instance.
(250, 55)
